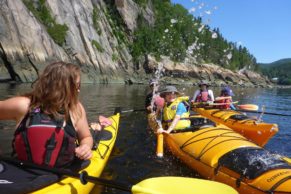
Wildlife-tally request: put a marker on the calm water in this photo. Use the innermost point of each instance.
(133, 158)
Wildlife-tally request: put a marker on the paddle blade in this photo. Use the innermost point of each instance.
(253, 107)
(174, 185)
(288, 160)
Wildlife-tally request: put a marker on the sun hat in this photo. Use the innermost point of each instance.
(169, 89)
(227, 91)
(203, 82)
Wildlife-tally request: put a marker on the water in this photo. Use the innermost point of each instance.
(133, 158)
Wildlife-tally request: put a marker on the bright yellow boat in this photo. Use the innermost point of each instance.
(218, 153)
(95, 168)
(258, 132)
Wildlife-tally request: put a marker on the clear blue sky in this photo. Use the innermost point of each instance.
(262, 26)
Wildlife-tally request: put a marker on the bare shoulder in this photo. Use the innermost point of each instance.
(78, 113)
(14, 108)
(18, 102)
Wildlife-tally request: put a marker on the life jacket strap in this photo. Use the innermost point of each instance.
(50, 146)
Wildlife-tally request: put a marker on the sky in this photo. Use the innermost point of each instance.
(262, 26)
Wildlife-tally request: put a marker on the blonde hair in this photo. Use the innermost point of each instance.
(56, 89)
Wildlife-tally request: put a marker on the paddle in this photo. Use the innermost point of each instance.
(134, 110)
(252, 107)
(207, 104)
(160, 145)
(267, 113)
(166, 185)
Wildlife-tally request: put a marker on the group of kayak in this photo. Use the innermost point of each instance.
(221, 144)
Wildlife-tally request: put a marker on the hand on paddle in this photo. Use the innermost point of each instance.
(161, 130)
(103, 122)
(83, 152)
(96, 126)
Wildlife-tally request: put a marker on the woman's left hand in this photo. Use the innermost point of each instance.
(96, 126)
(83, 152)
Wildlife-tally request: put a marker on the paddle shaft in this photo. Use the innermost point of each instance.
(84, 177)
(269, 113)
(133, 110)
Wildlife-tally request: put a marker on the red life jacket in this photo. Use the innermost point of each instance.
(203, 96)
(224, 106)
(43, 140)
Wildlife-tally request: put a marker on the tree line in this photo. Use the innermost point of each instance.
(179, 35)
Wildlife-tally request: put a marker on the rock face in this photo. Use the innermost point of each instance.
(26, 47)
(92, 41)
(130, 11)
(187, 73)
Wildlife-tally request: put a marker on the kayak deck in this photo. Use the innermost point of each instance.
(258, 132)
(218, 153)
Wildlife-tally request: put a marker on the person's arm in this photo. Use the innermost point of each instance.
(174, 123)
(180, 110)
(210, 92)
(232, 106)
(196, 93)
(222, 98)
(14, 108)
(83, 151)
(148, 102)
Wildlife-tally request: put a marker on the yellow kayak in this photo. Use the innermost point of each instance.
(97, 164)
(258, 132)
(95, 168)
(220, 154)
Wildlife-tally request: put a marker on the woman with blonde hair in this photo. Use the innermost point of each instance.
(50, 118)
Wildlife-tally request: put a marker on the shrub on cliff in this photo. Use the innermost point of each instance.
(41, 12)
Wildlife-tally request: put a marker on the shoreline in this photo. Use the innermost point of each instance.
(172, 83)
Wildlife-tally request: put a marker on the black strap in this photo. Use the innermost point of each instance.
(239, 180)
(50, 146)
(27, 146)
(216, 169)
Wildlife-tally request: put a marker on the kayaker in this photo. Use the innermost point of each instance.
(149, 102)
(175, 113)
(50, 118)
(225, 99)
(204, 94)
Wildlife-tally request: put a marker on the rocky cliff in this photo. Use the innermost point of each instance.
(94, 41)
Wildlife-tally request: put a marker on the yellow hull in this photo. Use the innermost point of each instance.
(205, 149)
(97, 164)
(260, 133)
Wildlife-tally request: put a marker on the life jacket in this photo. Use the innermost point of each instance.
(169, 113)
(203, 96)
(225, 103)
(43, 140)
